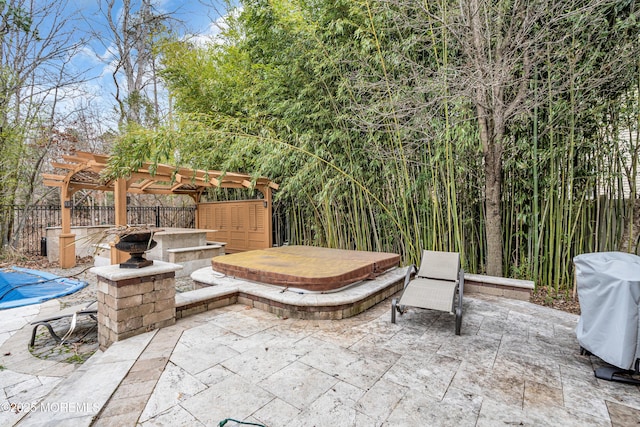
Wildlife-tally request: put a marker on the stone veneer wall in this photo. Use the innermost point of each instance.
(84, 239)
(215, 291)
(134, 301)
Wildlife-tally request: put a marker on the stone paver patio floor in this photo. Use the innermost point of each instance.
(515, 363)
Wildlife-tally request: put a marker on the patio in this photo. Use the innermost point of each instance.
(516, 363)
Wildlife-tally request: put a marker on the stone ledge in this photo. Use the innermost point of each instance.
(193, 257)
(194, 248)
(218, 290)
(200, 302)
(222, 290)
(500, 286)
(115, 273)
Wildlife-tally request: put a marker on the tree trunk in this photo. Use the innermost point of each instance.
(491, 133)
(631, 234)
(493, 211)
(489, 101)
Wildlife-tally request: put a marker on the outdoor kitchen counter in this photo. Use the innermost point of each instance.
(174, 238)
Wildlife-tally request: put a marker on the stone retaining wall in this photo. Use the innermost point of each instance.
(500, 286)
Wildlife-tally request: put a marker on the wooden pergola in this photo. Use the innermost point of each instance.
(84, 172)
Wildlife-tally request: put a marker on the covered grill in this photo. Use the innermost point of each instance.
(609, 326)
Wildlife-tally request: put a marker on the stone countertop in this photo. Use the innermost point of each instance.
(167, 231)
(114, 272)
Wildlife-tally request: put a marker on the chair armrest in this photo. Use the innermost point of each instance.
(407, 278)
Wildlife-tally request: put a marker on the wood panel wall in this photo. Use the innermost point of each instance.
(243, 225)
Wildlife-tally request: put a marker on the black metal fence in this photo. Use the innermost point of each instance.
(29, 224)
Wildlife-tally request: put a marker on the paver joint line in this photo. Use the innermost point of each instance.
(515, 362)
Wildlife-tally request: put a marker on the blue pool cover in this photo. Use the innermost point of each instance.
(21, 286)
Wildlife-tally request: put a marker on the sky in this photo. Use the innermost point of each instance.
(196, 18)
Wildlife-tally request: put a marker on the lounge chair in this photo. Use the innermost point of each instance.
(90, 310)
(434, 286)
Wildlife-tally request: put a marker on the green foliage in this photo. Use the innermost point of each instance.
(13, 17)
(355, 108)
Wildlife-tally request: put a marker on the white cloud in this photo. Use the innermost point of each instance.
(214, 29)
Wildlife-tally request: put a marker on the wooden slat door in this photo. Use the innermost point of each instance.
(242, 225)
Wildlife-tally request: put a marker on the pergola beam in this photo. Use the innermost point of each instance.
(53, 177)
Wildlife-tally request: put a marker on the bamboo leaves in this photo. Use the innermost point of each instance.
(398, 125)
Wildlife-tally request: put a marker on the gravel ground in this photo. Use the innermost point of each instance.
(83, 342)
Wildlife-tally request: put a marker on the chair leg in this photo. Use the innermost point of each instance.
(46, 325)
(394, 307)
(460, 296)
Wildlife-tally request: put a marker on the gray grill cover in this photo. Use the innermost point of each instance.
(609, 292)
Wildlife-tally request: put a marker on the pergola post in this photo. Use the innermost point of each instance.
(196, 198)
(67, 240)
(268, 199)
(120, 205)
